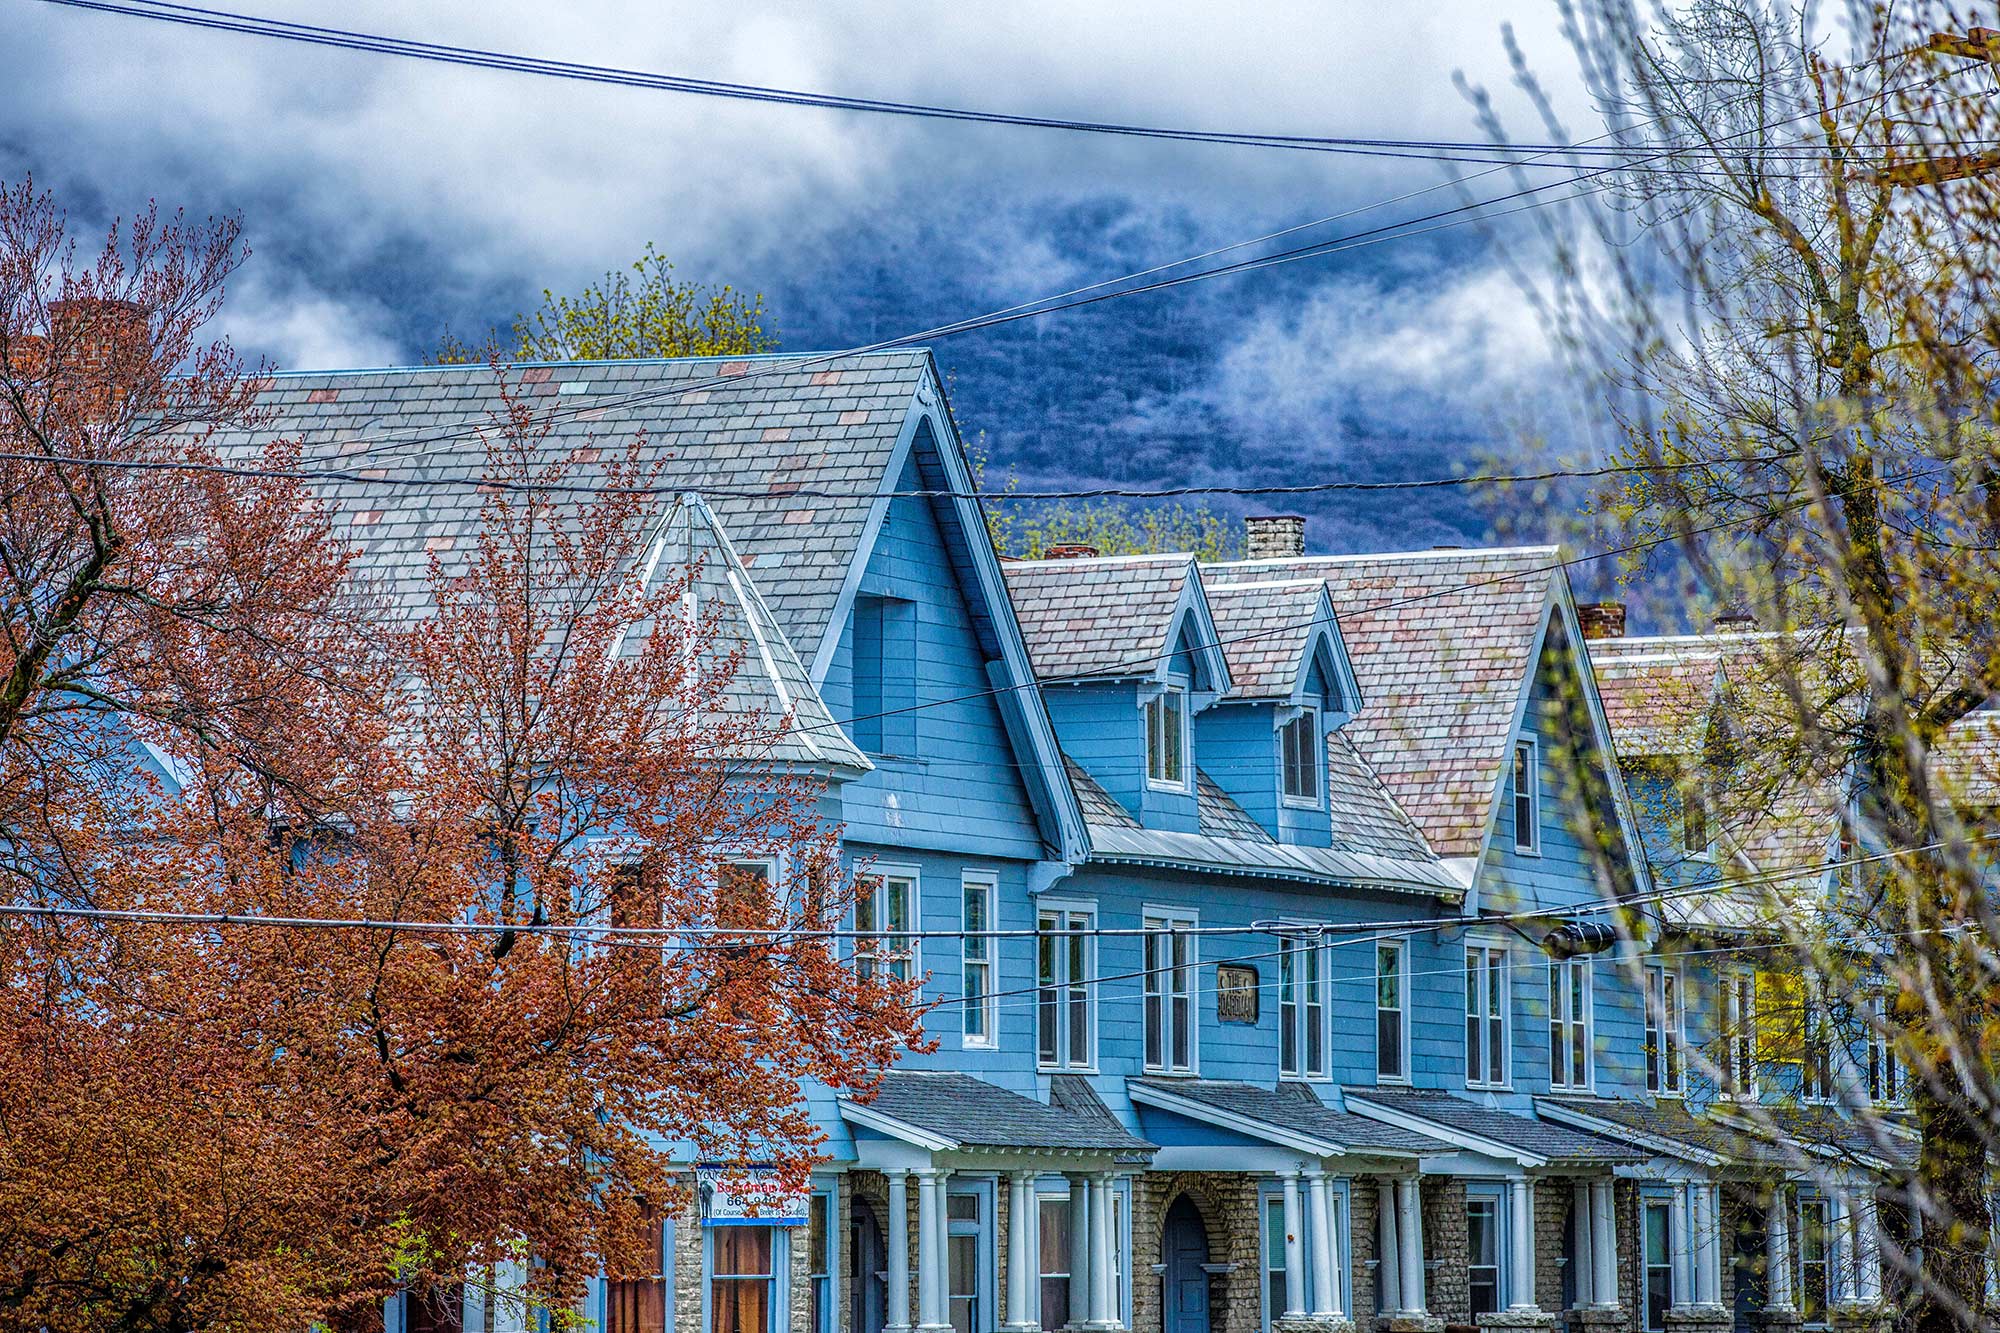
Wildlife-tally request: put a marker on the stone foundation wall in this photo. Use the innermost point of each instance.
(1447, 1289)
(1552, 1204)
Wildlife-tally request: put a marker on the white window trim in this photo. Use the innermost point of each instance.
(1169, 918)
(1881, 1046)
(989, 882)
(1169, 689)
(884, 871)
(1310, 714)
(1506, 1081)
(1308, 944)
(1088, 907)
(1402, 948)
(1589, 1020)
(1733, 982)
(1673, 1039)
(1533, 845)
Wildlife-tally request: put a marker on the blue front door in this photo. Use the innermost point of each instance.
(1186, 1251)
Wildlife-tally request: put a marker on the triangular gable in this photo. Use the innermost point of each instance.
(1193, 646)
(929, 438)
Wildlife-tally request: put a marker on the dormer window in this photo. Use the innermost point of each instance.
(1166, 739)
(1298, 744)
(1527, 793)
(1695, 838)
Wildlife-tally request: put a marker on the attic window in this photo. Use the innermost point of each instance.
(1299, 750)
(1527, 793)
(1166, 738)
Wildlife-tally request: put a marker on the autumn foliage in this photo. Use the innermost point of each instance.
(205, 709)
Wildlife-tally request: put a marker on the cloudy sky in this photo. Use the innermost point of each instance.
(386, 200)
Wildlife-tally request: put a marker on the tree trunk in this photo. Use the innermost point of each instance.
(1951, 1165)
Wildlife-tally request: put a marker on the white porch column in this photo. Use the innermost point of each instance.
(1582, 1268)
(1843, 1250)
(1022, 1262)
(1681, 1245)
(1103, 1290)
(1410, 1238)
(1388, 1251)
(1079, 1249)
(1778, 1251)
(1867, 1246)
(1708, 1243)
(898, 1227)
(1521, 1200)
(1325, 1247)
(1603, 1243)
(930, 1262)
(1295, 1252)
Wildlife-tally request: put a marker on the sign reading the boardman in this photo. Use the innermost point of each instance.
(747, 1198)
(1236, 993)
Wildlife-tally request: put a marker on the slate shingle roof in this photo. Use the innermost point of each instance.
(756, 435)
(1100, 807)
(1820, 1130)
(1366, 817)
(1295, 1107)
(1967, 758)
(1220, 816)
(1263, 629)
(1658, 694)
(1441, 644)
(1108, 615)
(975, 1114)
(1538, 1138)
(1668, 1120)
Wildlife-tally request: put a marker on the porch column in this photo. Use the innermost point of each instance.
(930, 1262)
(1295, 1250)
(1079, 1249)
(1325, 1247)
(1410, 1235)
(1681, 1243)
(1867, 1246)
(1582, 1267)
(1778, 1251)
(1603, 1243)
(1843, 1250)
(898, 1227)
(1708, 1243)
(1521, 1199)
(1022, 1262)
(1103, 1290)
(1388, 1251)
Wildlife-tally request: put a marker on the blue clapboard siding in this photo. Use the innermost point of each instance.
(1102, 728)
(948, 777)
(1236, 745)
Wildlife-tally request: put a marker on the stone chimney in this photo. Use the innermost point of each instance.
(1276, 536)
(1070, 551)
(1601, 620)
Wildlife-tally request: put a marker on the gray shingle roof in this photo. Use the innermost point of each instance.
(1667, 1120)
(973, 1114)
(1295, 1107)
(755, 434)
(1537, 1138)
(1366, 817)
(1441, 644)
(1109, 615)
(1821, 1131)
(1220, 816)
(1100, 807)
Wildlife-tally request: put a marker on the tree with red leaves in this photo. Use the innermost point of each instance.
(204, 709)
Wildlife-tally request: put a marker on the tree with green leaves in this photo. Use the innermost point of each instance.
(642, 312)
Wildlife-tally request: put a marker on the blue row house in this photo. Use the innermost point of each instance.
(1231, 884)
(1763, 1083)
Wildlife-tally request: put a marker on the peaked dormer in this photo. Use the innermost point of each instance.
(1265, 743)
(1126, 651)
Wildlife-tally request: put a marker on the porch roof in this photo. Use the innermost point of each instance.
(1488, 1130)
(1290, 1115)
(955, 1112)
(1667, 1126)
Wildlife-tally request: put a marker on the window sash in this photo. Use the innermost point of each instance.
(1302, 1010)
(1527, 797)
(1885, 1074)
(1485, 1016)
(1064, 1013)
(1739, 1065)
(1659, 1265)
(1169, 1001)
(1569, 1023)
(1663, 1031)
(979, 1005)
(886, 905)
(1300, 758)
(1166, 737)
(1391, 1016)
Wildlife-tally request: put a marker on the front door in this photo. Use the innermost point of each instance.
(1185, 1245)
(867, 1283)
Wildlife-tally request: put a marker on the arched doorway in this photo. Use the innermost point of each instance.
(867, 1283)
(1184, 1248)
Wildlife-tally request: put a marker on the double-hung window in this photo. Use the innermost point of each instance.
(1482, 1253)
(1569, 1024)
(978, 1003)
(1657, 1219)
(885, 915)
(1527, 796)
(1065, 1018)
(1166, 738)
(1170, 1016)
(1885, 1075)
(1055, 1260)
(1302, 1034)
(1486, 1002)
(1816, 1258)
(1663, 1030)
(1816, 1031)
(1392, 1012)
(743, 1279)
(1695, 836)
(1739, 1033)
(1299, 753)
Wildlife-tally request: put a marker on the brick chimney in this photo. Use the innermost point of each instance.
(1276, 536)
(1601, 620)
(100, 349)
(1735, 622)
(1070, 551)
